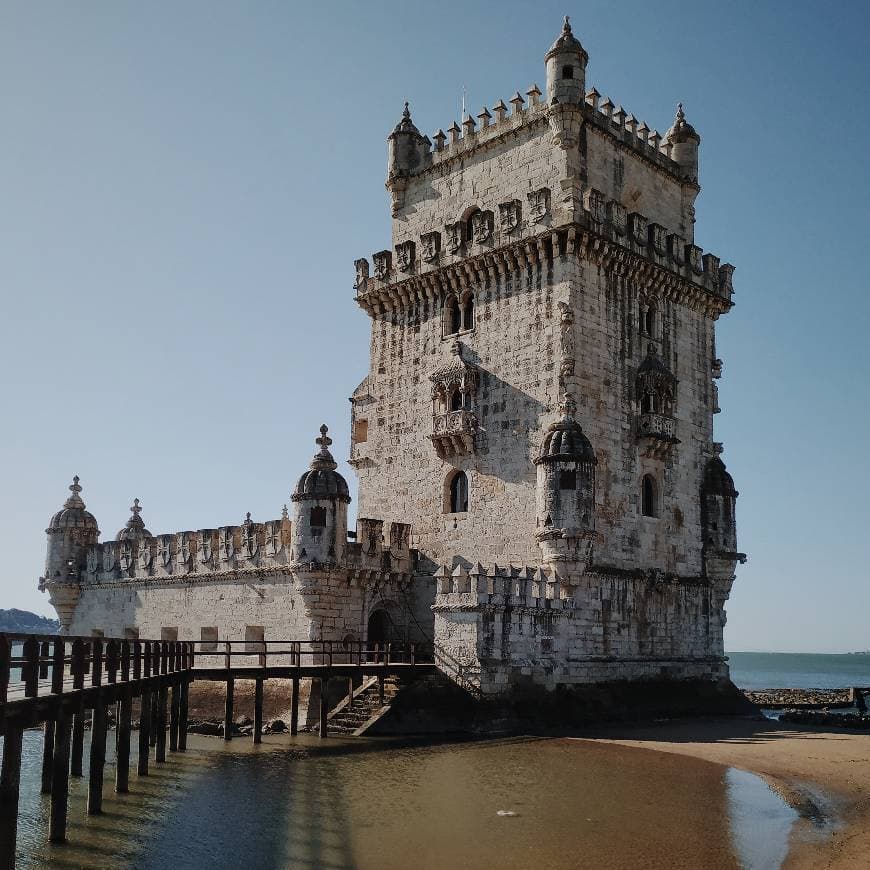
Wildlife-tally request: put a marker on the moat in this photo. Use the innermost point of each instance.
(514, 803)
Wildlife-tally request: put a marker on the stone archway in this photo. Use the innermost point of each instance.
(380, 628)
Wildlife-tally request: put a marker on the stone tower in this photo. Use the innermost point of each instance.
(320, 503)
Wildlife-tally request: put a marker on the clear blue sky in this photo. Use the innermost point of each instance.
(184, 188)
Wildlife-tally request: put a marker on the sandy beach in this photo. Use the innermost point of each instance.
(825, 775)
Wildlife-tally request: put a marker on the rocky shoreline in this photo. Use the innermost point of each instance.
(827, 708)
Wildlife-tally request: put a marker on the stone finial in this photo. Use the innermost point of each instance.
(135, 509)
(534, 95)
(248, 514)
(655, 139)
(618, 116)
(592, 98)
(517, 102)
(631, 125)
(75, 500)
(454, 130)
(607, 107)
(643, 131)
(484, 117)
(468, 125)
(500, 111)
(440, 138)
(285, 514)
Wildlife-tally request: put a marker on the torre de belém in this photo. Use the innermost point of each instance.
(540, 492)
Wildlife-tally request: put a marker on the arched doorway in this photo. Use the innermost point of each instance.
(378, 628)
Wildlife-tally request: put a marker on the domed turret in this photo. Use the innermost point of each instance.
(320, 503)
(566, 68)
(70, 532)
(684, 141)
(718, 501)
(135, 528)
(566, 491)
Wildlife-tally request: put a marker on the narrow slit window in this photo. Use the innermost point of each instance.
(649, 496)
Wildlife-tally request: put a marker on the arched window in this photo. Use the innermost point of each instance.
(456, 400)
(567, 72)
(646, 404)
(318, 517)
(648, 496)
(468, 313)
(459, 493)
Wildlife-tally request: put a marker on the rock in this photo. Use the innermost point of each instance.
(243, 720)
(278, 726)
(212, 729)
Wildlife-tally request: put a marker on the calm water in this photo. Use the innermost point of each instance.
(798, 670)
(564, 804)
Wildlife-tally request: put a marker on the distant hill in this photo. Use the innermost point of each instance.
(15, 620)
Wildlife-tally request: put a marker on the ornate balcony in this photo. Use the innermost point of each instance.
(453, 433)
(656, 434)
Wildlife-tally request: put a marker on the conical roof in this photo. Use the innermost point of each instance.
(567, 42)
(681, 130)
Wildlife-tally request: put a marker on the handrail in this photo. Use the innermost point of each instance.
(95, 661)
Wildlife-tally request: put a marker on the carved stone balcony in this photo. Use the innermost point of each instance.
(453, 433)
(656, 434)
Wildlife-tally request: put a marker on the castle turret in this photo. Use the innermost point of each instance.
(71, 531)
(718, 498)
(320, 503)
(684, 141)
(566, 69)
(408, 151)
(566, 493)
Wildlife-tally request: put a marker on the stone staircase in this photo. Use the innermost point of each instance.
(354, 720)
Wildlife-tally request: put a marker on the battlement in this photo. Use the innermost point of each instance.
(482, 587)
(246, 548)
(602, 228)
(460, 141)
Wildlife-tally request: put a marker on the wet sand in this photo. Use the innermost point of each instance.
(824, 775)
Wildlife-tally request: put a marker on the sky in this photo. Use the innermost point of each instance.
(184, 188)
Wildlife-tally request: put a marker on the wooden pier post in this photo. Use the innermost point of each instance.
(258, 711)
(350, 693)
(60, 778)
(324, 706)
(78, 743)
(182, 715)
(381, 691)
(228, 710)
(174, 708)
(294, 707)
(160, 743)
(10, 779)
(122, 765)
(47, 755)
(152, 723)
(97, 759)
(144, 735)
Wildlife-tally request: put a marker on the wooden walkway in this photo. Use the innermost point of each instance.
(54, 681)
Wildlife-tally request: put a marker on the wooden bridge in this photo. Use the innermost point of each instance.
(53, 680)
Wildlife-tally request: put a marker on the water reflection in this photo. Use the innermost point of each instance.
(370, 804)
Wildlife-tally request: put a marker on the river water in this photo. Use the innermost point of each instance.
(342, 804)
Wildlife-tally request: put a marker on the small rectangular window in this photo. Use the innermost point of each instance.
(568, 479)
(567, 72)
(208, 639)
(254, 635)
(318, 517)
(169, 633)
(131, 633)
(360, 431)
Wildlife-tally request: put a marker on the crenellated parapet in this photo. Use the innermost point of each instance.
(604, 231)
(486, 588)
(374, 553)
(249, 546)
